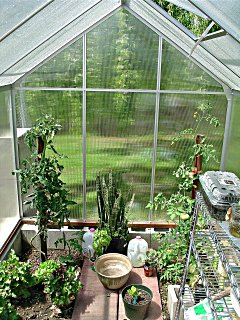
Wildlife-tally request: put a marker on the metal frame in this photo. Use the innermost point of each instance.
(158, 91)
(84, 171)
(226, 130)
(154, 151)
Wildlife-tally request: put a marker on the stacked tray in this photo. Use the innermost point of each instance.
(220, 189)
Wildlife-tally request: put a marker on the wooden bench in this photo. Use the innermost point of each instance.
(94, 302)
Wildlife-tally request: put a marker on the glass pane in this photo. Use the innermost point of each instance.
(64, 70)
(180, 73)
(233, 155)
(120, 137)
(122, 53)
(66, 108)
(9, 213)
(177, 114)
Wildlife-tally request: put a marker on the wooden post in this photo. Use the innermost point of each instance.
(197, 169)
(43, 240)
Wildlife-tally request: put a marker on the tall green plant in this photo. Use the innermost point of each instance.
(41, 172)
(180, 204)
(113, 206)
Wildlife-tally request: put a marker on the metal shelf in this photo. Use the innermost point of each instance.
(211, 247)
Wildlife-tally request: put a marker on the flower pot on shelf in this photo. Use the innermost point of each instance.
(136, 299)
(148, 270)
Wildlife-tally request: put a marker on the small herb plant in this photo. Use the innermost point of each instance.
(61, 282)
(134, 293)
(151, 258)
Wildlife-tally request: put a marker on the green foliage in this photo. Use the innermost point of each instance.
(7, 311)
(172, 252)
(180, 205)
(61, 282)
(101, 240)
(41, 172)
(134, 293)
(15, 277)
(191, 21)
(113, 207)
(152, 258)
(73, 244)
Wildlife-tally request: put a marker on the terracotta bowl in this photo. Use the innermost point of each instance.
(113, 270)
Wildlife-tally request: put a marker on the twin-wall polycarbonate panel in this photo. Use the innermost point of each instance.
(120, 127)
(63, 70)
(180, 73)
(120, 132)
(40, 38)
(225, 13)
(226, 49)
(122, 53)
(9, 213)
(176, 114)
(233, 152)
(13, 12)
(66, 108)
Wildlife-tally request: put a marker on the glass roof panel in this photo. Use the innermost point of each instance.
(129, 57)
(181, 73)
(12, 12)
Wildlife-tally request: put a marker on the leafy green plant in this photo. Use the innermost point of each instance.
(15, 277)
(41, 171)
(73, 244)
(102, 239)
(134, 293)
(151, 258)
(7, 311)
(179, 205)
(61, 282)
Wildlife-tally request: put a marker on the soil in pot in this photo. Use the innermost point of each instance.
(136, 308)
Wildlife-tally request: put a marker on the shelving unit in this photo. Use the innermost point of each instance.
(210, 247)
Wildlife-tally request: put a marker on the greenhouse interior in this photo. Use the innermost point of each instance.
(130, 87)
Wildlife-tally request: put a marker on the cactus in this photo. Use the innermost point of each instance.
(112, 205)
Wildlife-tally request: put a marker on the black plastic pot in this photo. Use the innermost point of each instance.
(133, 311)
(117, 245)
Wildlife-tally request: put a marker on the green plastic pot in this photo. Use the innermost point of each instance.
(136, 312)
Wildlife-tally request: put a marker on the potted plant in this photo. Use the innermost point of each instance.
(113, 206)
(136, 299)
(151, 262)
(41, 172)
